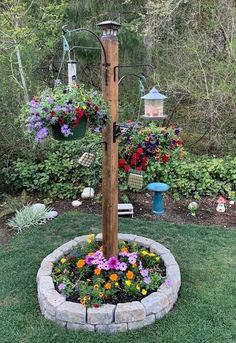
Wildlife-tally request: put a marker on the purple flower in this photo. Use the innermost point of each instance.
(122, 266)
(95, 93)
(57, 108)
(144, 272)
(177, 131)
(41, 135)
(89, 260)
(168, 282)
(34, 103)
(98, 254)
(113, 262)
(65, 130)
(61, 286)
(50, 100)
(147, 280)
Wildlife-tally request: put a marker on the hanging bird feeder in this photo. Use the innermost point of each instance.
(72, 73)
(153, 103)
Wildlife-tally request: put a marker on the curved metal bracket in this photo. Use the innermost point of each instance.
(140, 77)
(131, 66)
(81, 29)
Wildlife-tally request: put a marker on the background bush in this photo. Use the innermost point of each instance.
(54, 172)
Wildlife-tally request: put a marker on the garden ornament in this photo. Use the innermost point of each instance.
(76, 203)
(158, 188)
(221, 204)
(86, 159)
(135, 180)
(193, 207)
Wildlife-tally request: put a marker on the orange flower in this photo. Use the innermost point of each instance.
(97, 271)
(124, 249)
(134, 265)
(80, 263)
(130, 275)
(113, 277)
(108, 285)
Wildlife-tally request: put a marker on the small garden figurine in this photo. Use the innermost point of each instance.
(193, 207)
(221, 204)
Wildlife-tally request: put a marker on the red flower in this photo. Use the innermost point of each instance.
(180, 142)
(60, 121)
(127, 168)
(133, 162)
(139, 169)
(122, 162)
(165, 158)
(96, 108)
(79, 113)
(139, 150)
(53, 114)
(135, 156)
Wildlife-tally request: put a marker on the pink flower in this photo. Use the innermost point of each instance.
(144, 272)
(61, 286)
(132, 259)
(123, 266)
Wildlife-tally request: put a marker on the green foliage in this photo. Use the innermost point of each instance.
(196, 177)
(28, 216)
(55, 171)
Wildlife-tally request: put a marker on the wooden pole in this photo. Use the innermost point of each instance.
(110, 149)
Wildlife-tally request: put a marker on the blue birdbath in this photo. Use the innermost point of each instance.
(158, 188)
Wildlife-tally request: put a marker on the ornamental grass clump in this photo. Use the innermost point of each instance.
(64, 108)
(87, 277)
(29, 216)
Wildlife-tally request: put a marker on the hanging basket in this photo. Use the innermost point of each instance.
(78, 132)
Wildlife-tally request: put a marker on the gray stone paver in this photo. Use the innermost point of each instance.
(129, 312)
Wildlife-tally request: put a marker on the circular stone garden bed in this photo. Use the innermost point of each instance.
(110, 317)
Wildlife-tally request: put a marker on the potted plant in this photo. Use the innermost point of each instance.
(65, 113)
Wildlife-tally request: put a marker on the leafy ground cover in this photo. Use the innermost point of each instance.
(205, 311)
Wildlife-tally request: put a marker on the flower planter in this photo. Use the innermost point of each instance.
(108, 318)
(78, 132)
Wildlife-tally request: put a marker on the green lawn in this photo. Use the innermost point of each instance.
(205, 311)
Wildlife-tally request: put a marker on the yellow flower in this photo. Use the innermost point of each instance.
(138, 287)
(128, 283)
(90, 238)
(158, 258)
(116, 284)
(151, 254)
(144, 292)
(100, 295)
(96, 286)
(63, 260)
(144, 252)
(84, 107)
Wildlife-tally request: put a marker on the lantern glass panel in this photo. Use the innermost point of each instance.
(154, 108)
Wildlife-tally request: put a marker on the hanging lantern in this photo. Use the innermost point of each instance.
(72, 75)
(153, 103)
